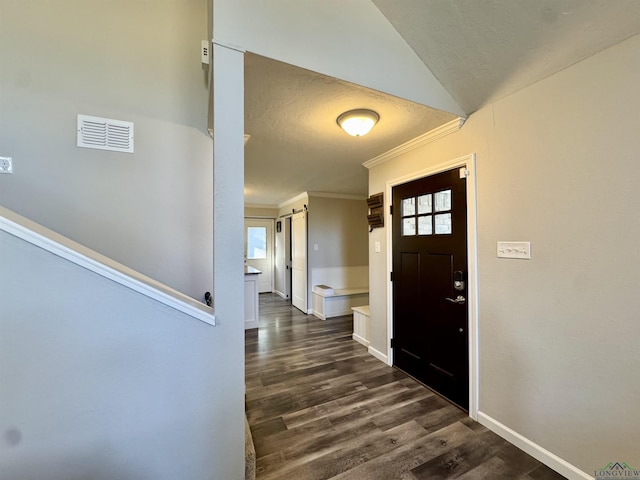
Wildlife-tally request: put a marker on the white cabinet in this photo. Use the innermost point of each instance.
(251, 299)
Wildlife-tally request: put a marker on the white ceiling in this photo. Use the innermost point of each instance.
(296, 144)
(479, 50)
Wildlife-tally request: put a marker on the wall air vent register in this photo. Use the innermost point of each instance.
(105, 134)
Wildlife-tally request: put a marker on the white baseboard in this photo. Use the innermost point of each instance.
(251, 324)
(280, 294)
(341, 313)
(379, 355)
(360, 339)
(536, 451)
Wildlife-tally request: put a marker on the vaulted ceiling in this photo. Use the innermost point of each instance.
(479, 50)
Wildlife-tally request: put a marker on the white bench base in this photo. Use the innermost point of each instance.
(338, 302)
(361, 324)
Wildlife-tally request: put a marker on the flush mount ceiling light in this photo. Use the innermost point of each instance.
(358, 122)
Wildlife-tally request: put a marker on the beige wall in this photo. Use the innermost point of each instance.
(136, 61)
(261, 212)
(339, 228)
(556, 165)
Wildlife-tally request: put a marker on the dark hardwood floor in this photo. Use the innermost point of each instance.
(319, 407)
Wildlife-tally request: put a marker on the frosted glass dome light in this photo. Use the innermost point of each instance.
(358, 122)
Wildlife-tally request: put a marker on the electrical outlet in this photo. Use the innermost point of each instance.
(204, 52)
(6, 165)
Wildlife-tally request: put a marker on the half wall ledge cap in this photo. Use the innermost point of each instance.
(424, 139)
(230, 46)
(63, 247)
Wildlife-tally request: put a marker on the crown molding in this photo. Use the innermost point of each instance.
(342, 196)
(301, 196)
(257, 205)
(431, 136)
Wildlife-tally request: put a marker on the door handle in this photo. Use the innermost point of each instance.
(460, 300)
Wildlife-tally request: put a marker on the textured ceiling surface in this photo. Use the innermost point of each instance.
(296, 144)
(479, 50)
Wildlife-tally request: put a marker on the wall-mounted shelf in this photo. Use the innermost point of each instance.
(376, 211)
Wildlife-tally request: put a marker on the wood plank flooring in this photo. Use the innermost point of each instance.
(320, 407)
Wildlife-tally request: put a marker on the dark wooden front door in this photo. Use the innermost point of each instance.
(430, 319)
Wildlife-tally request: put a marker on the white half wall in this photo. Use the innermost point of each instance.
(99, 381)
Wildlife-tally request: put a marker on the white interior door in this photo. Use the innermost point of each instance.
(299, 261)
(259, 251)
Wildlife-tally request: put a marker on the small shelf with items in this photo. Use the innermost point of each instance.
(376, 211)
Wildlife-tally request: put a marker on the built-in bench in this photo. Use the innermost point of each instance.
(329, 302)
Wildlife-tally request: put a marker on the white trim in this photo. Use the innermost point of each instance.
(379, 355)
(41, 237)
(468, 161)
(255, 205)
(431, 136)
(342, 196)
(360, 339)
(300, 196)
(230, 46)
(536, 451)
(307, 195)
(259, 217)
(280, 294)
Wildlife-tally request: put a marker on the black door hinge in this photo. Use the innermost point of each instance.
(390, 209)
(391, 276)
(391, 342)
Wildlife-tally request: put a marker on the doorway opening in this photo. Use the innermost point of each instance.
(282, 285)
(259, 250)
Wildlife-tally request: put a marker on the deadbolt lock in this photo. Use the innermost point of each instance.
(458, 280)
